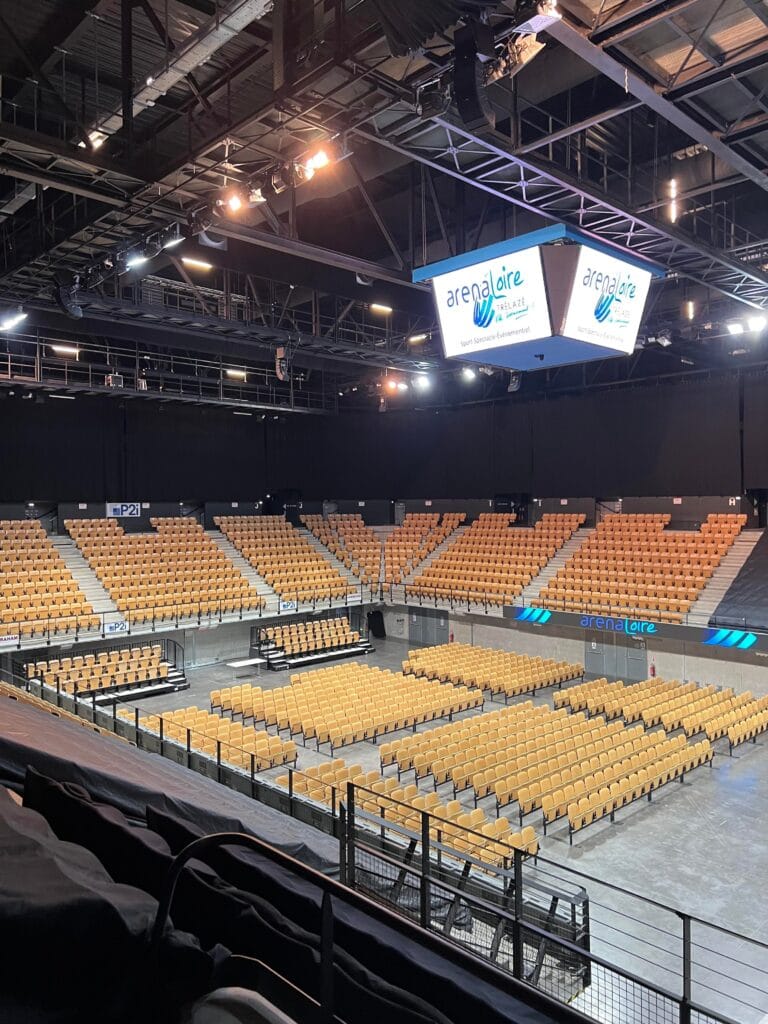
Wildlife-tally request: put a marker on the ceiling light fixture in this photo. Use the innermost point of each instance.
(402, 386)
(422, 382)
(236, 374)
(381, 308)
(417, 339)
(63, 398)
(735, 327)
(135, 260)
(66, 350)
(190, 261)
(673, 199)
(756, 323)
(468, 373)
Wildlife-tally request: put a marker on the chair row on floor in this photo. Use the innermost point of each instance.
(674, 705)
(235, 744)
(465, 833)
(643, 781)
(749, 728)
(498, 671)
(347, 703)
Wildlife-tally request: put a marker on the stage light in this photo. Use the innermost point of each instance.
(96, 139)
(422, 382)
(690, 309)
(735, 327)
(256, 195)
(417, 339)
(151, 248)
(236, 374)
(756, 323)
(150, 79)
(318, 160)
(189, 261)
(175, 237)
(402, 386)
(66, 350)
(673, 199)
(381, 308)
(135, 260)
(392, 384)
(468, 373)
(12, 320)
(234, 202)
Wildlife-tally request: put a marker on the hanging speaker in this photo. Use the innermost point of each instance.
(65, 294)
(473, 45)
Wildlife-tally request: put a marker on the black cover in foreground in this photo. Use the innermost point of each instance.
(131, 779)
(745, 603)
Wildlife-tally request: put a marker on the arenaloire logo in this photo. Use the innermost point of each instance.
(613, 290)
(485, 292)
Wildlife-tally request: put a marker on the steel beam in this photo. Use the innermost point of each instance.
(50, 180)
(636, 19)
(754, 59)
(578, 41)
(578, 126)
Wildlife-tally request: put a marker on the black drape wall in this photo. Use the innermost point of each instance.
(672, 439)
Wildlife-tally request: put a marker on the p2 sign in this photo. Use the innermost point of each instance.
(123, 509)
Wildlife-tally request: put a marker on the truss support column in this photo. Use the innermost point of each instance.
(126, 67)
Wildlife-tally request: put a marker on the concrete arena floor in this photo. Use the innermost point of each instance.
(700, 846)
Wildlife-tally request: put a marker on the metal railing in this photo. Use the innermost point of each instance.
(612, 954)
(33, 633)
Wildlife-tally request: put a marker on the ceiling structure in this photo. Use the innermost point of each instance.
(127, 124)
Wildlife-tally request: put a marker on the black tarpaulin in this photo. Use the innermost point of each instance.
(745, 603)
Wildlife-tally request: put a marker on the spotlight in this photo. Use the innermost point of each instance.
(417, 339)
(172, 237)
(66, 350)
(423, 383)
(756, 323)
(690, 309)
(96, 138)
(199, 220)
(391, 384)
(515, 380)
(13, 320)
(150, 79)
(301, 173)
(468, 373)
(136, 259)
(319, 159)
(234, 202)
(381, 308)
(735, 327)
(190, 261)
(256, 195)
(236, 374)
(402, 386)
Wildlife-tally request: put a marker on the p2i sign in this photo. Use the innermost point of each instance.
(123, 509)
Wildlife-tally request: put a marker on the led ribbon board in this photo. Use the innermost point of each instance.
(527, 304)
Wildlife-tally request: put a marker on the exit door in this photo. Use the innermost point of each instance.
(615, 657)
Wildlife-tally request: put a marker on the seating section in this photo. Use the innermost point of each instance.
(175, 572)
(286, 559)
(749, 727)
(498, 671)
(414, 540)
(347, 703)
(239, 746)
(633, 565)
(38, 593)
(665, 762)
(540, 758)
(674, 705)
(42, 704)
(468, 833)
(100, 670)
(492, 562)
(351, 541)
(310, 637)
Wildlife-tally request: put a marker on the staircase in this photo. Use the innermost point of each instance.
(398, 590)
(86, 578)
(723, 577)
(338, 565)
(256, 582)
(554, 565)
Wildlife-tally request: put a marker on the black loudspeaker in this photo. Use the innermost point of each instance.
(376, 625)
(471, 46)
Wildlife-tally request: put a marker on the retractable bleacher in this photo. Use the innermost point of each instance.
(296, 644)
